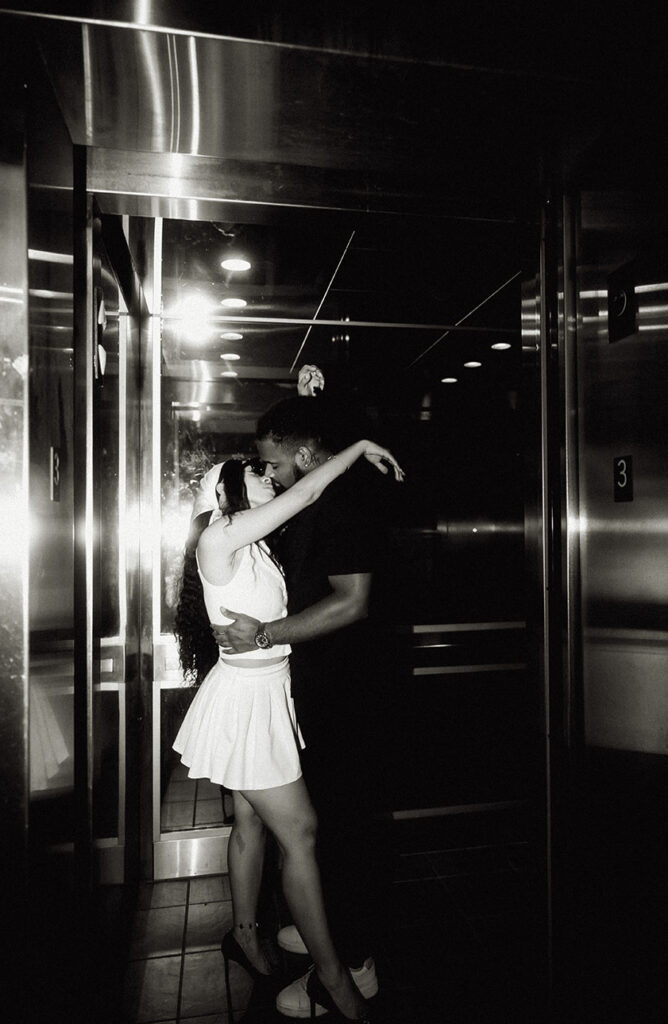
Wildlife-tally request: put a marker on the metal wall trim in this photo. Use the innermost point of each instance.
(444, 670)
(468, 627)
(188, 858)
(438, 812)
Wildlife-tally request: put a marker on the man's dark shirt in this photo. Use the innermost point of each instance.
(340, 534)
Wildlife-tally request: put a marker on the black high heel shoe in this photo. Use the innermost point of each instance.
(319, 994)
(231, 950)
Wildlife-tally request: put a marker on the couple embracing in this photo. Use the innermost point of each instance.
(272, 621)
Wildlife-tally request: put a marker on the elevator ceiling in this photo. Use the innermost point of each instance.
(381, 170)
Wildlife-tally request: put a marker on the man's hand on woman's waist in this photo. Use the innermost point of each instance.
(238, 636)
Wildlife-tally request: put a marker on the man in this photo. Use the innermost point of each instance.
(329, 553)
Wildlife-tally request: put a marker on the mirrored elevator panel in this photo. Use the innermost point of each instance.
(51, 510)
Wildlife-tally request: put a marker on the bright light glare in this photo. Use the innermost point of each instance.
(229, 373)
(500, 346)
(232, 336)
(473, 363)
(235, 264)
(194, 312)
(448, 380)
(234, 303)
(230, 356)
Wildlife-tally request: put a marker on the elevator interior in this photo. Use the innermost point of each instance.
(391, 270)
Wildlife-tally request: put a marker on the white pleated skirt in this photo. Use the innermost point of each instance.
(241, 729)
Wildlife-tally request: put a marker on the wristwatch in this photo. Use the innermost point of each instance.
(262, 638)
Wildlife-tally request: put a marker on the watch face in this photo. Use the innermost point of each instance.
(262, 640)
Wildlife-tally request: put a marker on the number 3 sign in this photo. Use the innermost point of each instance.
(623, 477)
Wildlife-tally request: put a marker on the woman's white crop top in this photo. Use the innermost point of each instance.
(257, 588)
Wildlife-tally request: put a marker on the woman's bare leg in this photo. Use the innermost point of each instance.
(245, 857)
(288, 812)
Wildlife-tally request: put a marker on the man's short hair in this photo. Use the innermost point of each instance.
(303, 420)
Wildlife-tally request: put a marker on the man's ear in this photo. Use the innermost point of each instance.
(304, 457)
(220, 489)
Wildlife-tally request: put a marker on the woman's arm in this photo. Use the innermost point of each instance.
(255, 523)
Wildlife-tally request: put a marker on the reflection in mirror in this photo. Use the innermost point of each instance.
(51, 512)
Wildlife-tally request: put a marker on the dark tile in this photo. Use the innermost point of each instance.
(180, 790)
(203, 989)
(210, 1018)
(152, 989)
(209, 812)
(162, 894)
(177, 815)
(209, 888)
(207, 790)
(206, 925)
(157, 932)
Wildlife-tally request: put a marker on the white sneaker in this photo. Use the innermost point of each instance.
(290, 940)
(294, 1001)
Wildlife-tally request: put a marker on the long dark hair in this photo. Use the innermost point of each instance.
(198, 651)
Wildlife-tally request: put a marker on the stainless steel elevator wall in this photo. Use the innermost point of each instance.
(623, 413)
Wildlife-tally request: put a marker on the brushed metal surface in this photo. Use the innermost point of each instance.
(622, 410)
(129, 88)
(192, 856)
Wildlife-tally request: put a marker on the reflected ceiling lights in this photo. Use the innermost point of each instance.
(448, 380)
(501, 345)
(229, 373)
(472, 364)
(234, 303)
(232, 336)
(235, 264)
(230, 356)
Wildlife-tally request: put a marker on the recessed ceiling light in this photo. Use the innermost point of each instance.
(234, 303)
(229, 373)
(501, 345)
(448, 380)
(235, 264)
(473, 363)
(230, 356)
(232, 336)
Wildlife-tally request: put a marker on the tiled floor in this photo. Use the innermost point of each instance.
(461, 935)
(191, 803)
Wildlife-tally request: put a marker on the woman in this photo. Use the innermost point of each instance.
(241, 729)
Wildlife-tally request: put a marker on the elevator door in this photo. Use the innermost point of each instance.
(611, 846)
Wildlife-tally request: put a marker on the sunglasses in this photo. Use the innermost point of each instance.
(257, 466)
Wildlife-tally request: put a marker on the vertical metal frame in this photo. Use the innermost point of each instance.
(156, 520)
(148, 519)
(123, 333)
(544, 426)
(14, 504)
(83, 523)
(573, 719)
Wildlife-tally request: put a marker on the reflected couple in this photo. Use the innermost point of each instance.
(277, 718)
